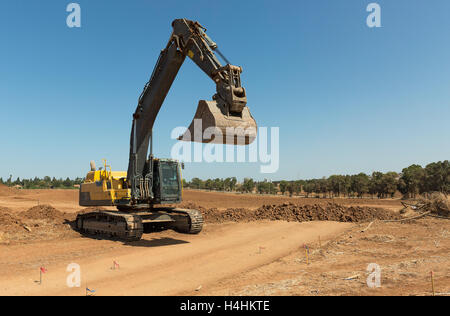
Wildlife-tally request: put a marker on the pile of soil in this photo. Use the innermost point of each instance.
(8, 222)
(297, 213)
(42, 222)
(43, 212)
(7, 191)
(329, 212)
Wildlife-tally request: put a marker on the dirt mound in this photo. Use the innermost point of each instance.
(299, 213)
(43, 212)
(229, 215)
(5, 210)
(41, 222)
(330, 212)
(6, 191)
(9, 222)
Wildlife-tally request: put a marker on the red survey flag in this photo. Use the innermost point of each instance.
(43, 270)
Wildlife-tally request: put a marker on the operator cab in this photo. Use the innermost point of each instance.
(167, 181)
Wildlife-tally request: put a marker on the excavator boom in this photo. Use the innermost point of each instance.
(224, 120)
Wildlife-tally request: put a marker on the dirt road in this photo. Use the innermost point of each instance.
(162, 264)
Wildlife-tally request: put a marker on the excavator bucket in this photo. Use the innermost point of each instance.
(211, 124)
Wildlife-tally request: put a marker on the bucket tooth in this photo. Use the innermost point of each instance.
(211, 124)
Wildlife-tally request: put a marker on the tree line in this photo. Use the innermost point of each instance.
(43, 183)
(412, 181)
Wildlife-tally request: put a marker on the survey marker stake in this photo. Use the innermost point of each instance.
(42, 271)
(260, 249)
(306, 253)
(432, 283)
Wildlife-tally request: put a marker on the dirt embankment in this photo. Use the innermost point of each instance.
(223, 201)
(7, 191)
(296, 213)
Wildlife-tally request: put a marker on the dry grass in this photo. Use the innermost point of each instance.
(436, 203)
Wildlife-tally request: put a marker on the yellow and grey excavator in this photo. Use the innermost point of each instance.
(150, 183)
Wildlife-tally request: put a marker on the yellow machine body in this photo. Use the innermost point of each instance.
(110, 188)
(105, 188)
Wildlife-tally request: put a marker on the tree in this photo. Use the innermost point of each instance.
(375, 184)
(67, 183)
(360, 184)
(209, 184)
(226, 184)
(248, 185)
(347, 185)
(265, 187)
(233, 183)
(411, 180)
(272, 188)
(283, 186)
(197, 183)
(218, 184)
(389, 184)
(308, 187)
(437, 177)
(291, 188)
(262, 187)
(297, 186)
(323, 187)
(336, 184)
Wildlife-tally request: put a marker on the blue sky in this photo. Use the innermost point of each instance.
(347, 98)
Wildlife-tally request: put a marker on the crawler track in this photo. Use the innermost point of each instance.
(125, 226)
(188, 221)
(130, 226)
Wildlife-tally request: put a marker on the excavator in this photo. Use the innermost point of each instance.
(144, 195)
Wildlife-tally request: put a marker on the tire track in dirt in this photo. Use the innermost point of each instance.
(180, 264)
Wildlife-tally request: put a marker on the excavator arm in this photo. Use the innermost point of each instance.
(227, 114)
